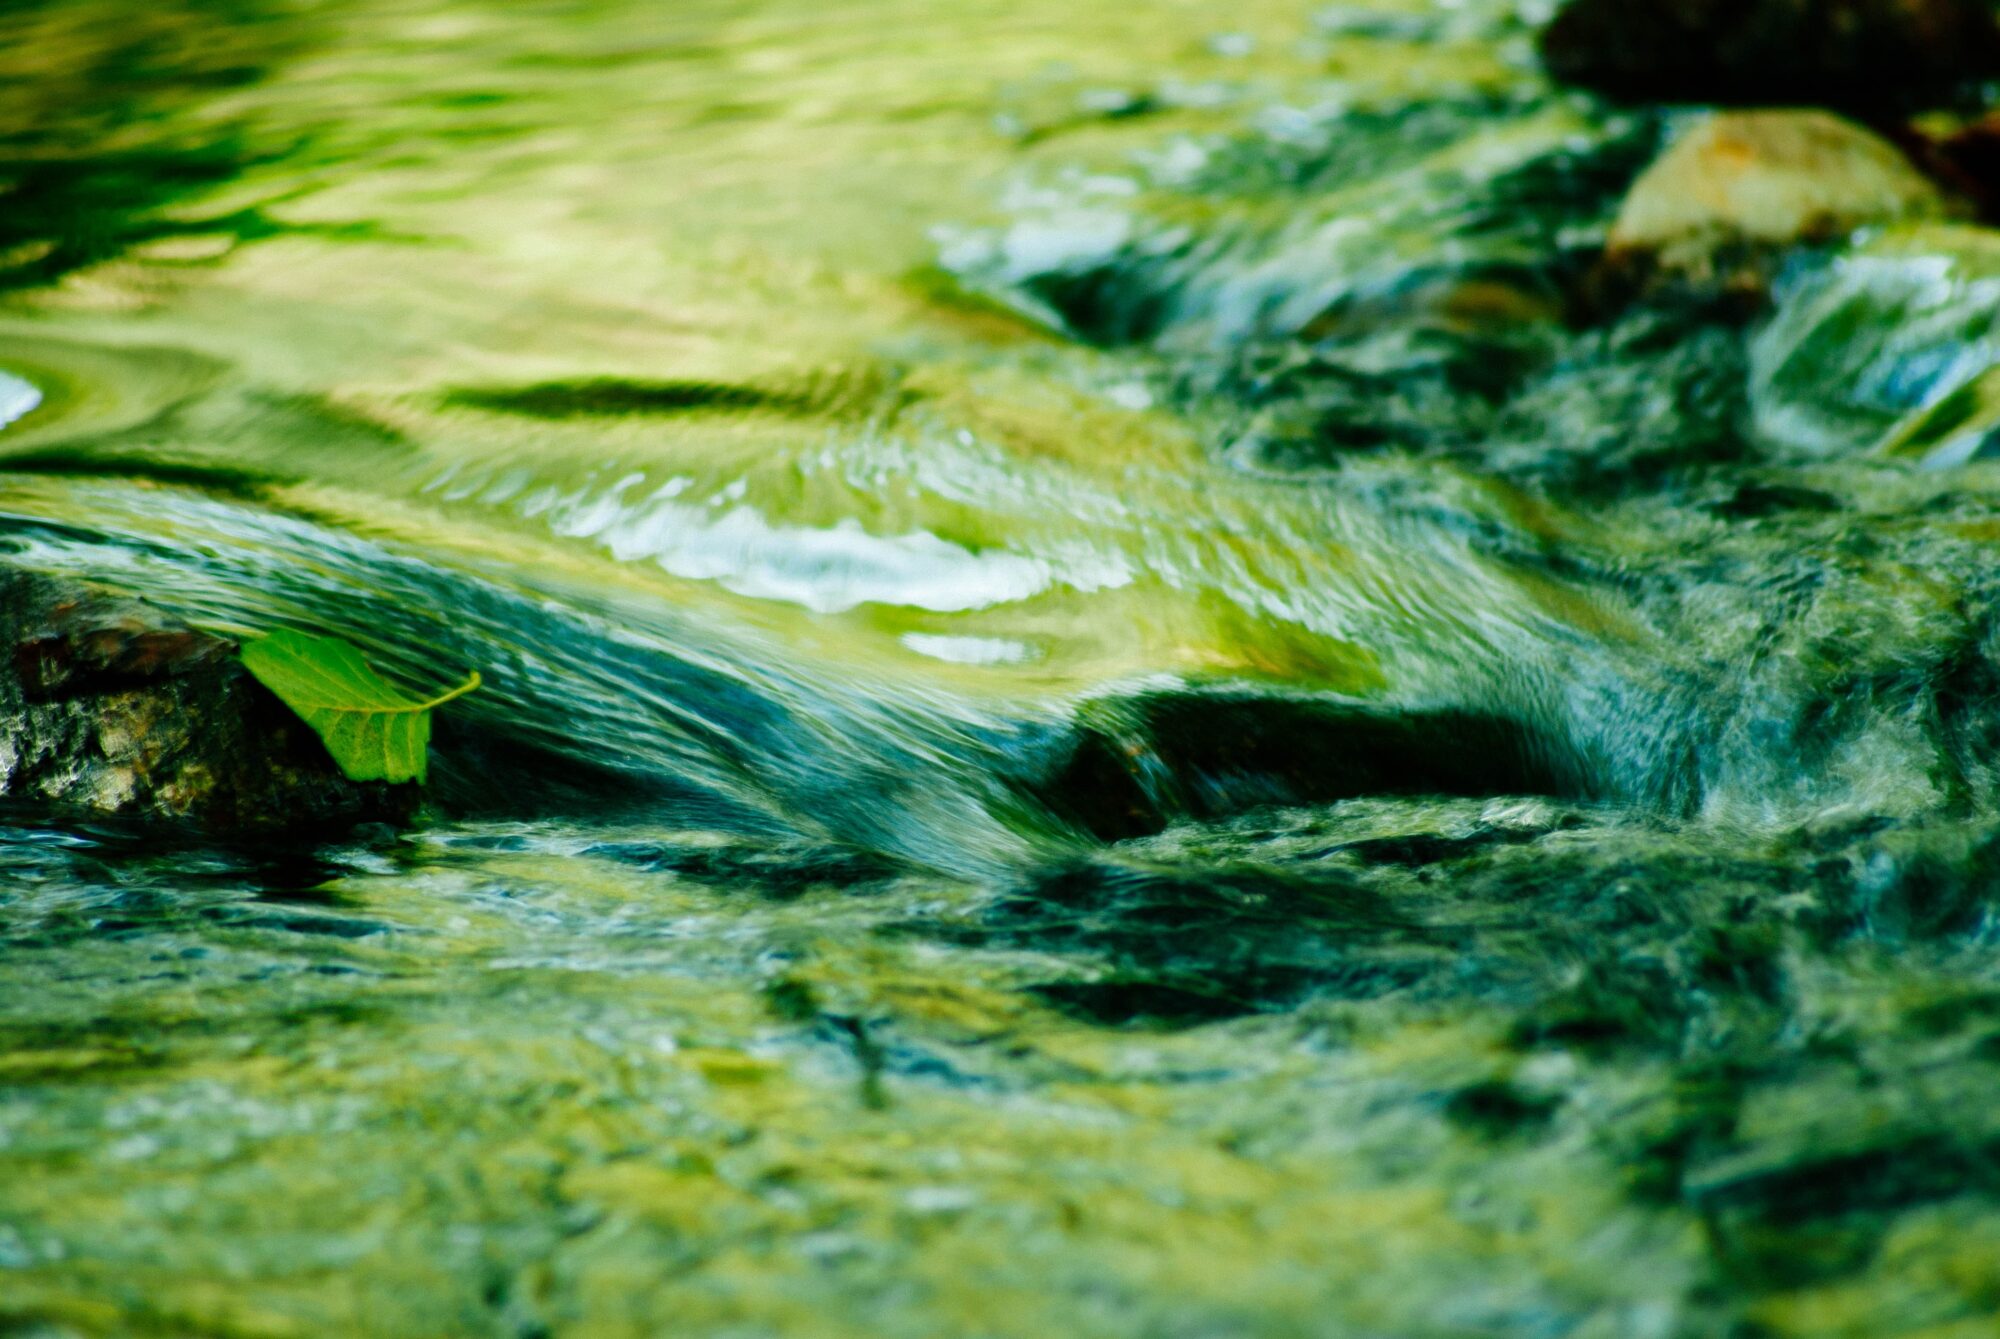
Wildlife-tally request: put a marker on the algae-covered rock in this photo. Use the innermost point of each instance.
(1859, 343)
(1963, 426)
(109, 709)
(1739, 183)
(1854, 54)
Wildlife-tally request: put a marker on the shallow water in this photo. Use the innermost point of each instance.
(1104, 715)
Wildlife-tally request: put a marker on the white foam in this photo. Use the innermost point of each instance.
(827, 569)
(17, 398)
(969, 650)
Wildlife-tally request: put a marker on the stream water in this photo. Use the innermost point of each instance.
(1105, 714)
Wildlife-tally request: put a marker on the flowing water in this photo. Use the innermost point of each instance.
(1106, 712)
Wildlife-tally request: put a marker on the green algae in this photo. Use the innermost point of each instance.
(534, 1108)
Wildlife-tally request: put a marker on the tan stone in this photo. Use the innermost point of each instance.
(1767, 178)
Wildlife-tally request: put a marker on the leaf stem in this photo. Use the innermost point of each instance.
(472, 681)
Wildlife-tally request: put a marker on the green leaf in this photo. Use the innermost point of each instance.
(374, 731)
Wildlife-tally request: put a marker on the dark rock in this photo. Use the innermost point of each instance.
(1139, 763)
(1858, 55)
(1961, 152)
(109, 709)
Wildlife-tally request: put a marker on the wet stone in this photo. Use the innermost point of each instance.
(1139, 762)
(1739, 186)
(1854, 54)
(109, 709)
(1861, 346)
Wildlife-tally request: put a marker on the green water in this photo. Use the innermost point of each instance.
(1103, 714)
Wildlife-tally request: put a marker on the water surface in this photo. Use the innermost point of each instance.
(1105, 713)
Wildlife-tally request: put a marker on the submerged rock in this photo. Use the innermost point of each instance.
(1858, 55)
(1861, 342)
(111, 710)
(1140, 762)
(1963, 426)
(1741, 184)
